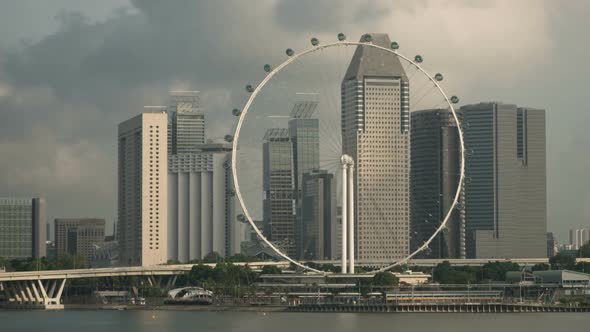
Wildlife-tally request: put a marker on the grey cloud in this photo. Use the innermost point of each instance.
(62, 95)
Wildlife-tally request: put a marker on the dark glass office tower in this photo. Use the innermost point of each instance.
(505, 186)
(436, 157)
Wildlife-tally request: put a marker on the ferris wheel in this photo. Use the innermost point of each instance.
(265, 95)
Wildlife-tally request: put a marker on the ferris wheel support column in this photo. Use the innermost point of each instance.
(351, 216)
(344, 218)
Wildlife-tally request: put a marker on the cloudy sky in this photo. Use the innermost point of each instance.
(71, 70)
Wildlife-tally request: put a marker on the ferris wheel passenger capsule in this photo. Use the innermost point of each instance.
(394, 46)
(315, 41)
(242, 218)
(236, 112)
(228, 138)
(341, 37)
(418, 58)
(249, 88)
(454, 99)
(367, 38)
(289, 52)
(267, 68)
(438, 77)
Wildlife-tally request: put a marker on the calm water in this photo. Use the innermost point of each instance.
(115, 321)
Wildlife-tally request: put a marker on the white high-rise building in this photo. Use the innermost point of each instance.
(376, 134)
(143, 184)
(579, 237)
(201, 211)
(201, 204)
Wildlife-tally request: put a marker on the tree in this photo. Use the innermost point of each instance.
(4, 263)
(444, 273)
(386, 279)
(212, 257)
(562, 262)
(497, 270)
(584, 251)
(270, 269)
(540, 267)
(199, 274)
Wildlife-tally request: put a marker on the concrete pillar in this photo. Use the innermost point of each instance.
(172, 216)
(195, 216)
(344, 217)
(38, 298)
(217, 191)
(60, 291)
(183, 217)
(351, 217)
(43, 292)
(206, 215)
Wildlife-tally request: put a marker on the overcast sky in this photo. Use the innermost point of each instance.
(71, 70)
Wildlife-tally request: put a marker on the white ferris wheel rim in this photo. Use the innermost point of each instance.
(269, 76)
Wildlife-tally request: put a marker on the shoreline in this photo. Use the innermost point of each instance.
(399, 309)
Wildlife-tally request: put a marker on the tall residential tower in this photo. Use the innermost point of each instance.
(143, 203)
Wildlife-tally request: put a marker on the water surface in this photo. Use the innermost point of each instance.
(148, 321)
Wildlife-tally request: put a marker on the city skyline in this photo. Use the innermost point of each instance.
(86, 151)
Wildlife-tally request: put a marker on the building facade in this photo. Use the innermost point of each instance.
(304, 131)
(376, 134)
(505, 185)
(579, 237)
(318, 215)
(201, 208)
(551, 245)
(279, 211)
(142, 189)
(435, 174)
(22, 228)
(186, 123)
(78, 236)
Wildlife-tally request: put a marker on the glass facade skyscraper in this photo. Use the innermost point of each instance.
(436, 158)
(278, 186)
(22, 228)
(318, 216)
(505, 185)
(186, 123)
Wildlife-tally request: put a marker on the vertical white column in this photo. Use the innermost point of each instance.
(183, 217)
(195, 216)
(344, 213)
(351, 218)
(206, 213)
(172, 216)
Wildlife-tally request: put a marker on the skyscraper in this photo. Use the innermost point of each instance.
(579, 237)
(278, 201)
(86, 232)
(318, 216)
(505, 185)
(435, 173)
(304, 134)
(376, 134)
(201, 208)
(143, 184)
(22, 227)
(186, 123)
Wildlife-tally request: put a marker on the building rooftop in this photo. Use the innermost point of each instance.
(370, 61)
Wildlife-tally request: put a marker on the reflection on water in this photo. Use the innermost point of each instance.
(148, 321)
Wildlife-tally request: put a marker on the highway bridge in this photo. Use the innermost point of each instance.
(44, 289)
